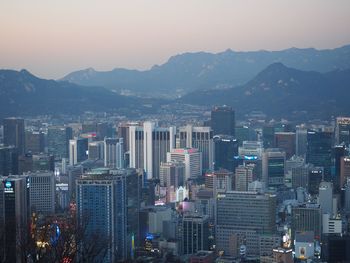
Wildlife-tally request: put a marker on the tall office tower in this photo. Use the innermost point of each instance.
(347, 196)
(172, 174)
(294, 162)
(244, 174)
(14, 133)
(8, 160)
(43, 162)
(123, 132)
(35, 142)
(96, 150)
(244, 214)
(344, 170)
(286, 142)
(226, 148)
(315, 178)
(342, 130)
(149, 146)
(338, 152)
(219, 181)
(273, 162)
(58, 141)
(244, 133)
(300, 141)
(100, 130)
(251, 148)
(268, 136)
(192, 159)
(307, 218)
(325, 194)
(14, 215)
(112, 210)
(202, 139)
(194, 234)
(223, 120)
(114, 152)
(319, 151)
(42, 192)
(78, 149)
(300, 176)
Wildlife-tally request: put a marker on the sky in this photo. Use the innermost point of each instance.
(52, 38)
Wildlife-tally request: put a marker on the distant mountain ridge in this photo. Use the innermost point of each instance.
(191, 71)
(22, 93)
(280, 91)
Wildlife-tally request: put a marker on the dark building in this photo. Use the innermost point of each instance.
(335, 248)
(58, 141)
(268, 135)
(35, 142)
(14, 133)
(338, 152)
(101, 129)
(223, 120)
(319, 151)
(8, 160)
(314, 180)
(25, 163)
(226, 148)
(342, 130)
(286, 142)
(14, 215)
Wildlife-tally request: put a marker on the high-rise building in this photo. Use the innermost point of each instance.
(338, 153)
(149, 146)
(8, 160)
(58, 141)
(42, 192)
(300, 141)
(172, 174)
(191, 158)
(344, 170)
(286, 142)
(202, 139)
(325, 194)
(14, 133)
(268, 136)
(300, 176)
(307, 217)
(342, 130)
(78, 149)
(251, 149)
(35, 142)
(14, 216)
(246, 215)
(112, 210)
(273, 162)
(244, 174)
(98, 130)
(319, 150)
(194, 234)
(226, 148)
(223, 120)
(114, 152)
(219, 181)
(96, 150)
(123, 132)
(315, 178)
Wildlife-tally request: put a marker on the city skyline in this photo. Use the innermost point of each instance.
(139, 34)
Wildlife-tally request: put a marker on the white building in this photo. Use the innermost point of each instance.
(192, 159)
(114, 152)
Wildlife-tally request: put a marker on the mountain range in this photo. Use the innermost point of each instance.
(280, 91)
(187, 72)
(22, 93)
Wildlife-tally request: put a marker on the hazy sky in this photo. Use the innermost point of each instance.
(51, 38)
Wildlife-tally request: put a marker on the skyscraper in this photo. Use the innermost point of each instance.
(286, 142)
(35, 142)
(114, 152)
(42, 192)
(96, 150)
(319, 150)
(226, 148)
(172, 174)
(244, 174)
(342, 130)
(14, 213)
(112, 210)
(202, 139)
(244, 214)
(78, 149)
(58, 141)
(300, 141)
(14, 133)
(149, 145)
(191, 158)
(273, 163)
(223, 120)
(307, 218)
(8, 160)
